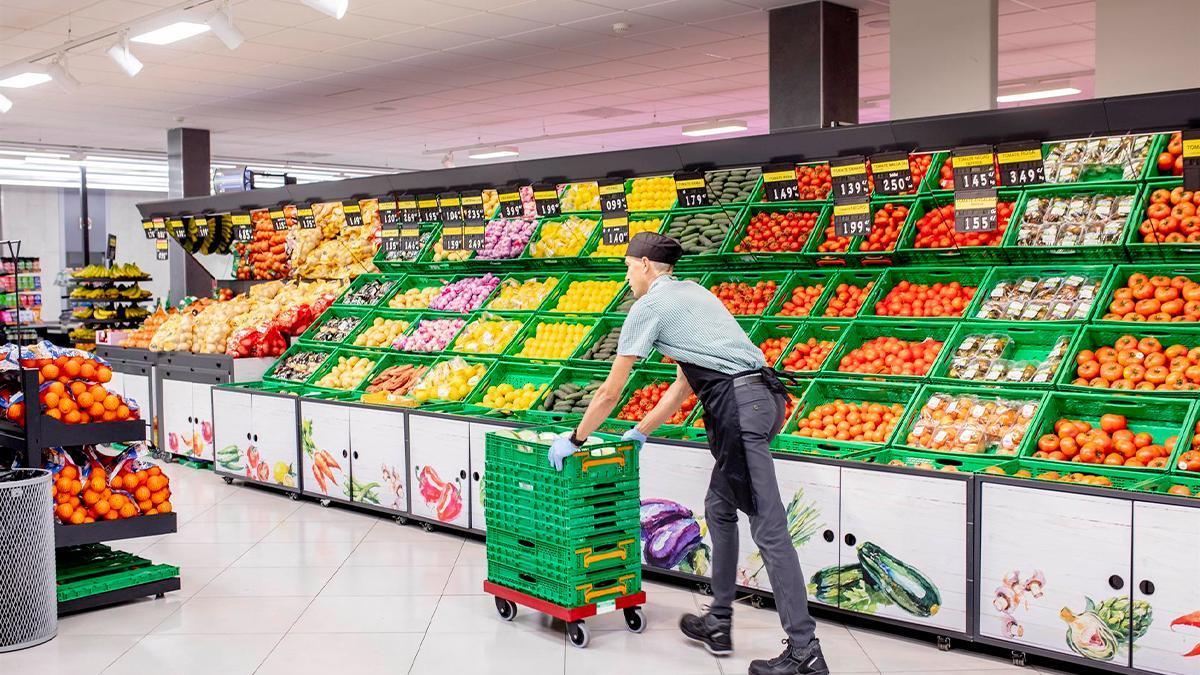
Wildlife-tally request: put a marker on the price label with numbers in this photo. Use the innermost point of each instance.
(780, 183)
(510, 202)
(545, 199)
(148, 228)
(242, 230)
(472, 205)
(614, 228)
(974, 167)
(1020, 163)
(278, 220)
(849, 178)
(389, 225)
(612, 195)
(891, 173)
(160, 249)
(428, 207)
(852, 218)
(201, 223)
(1191, 159)
(406, 207)
(975, 210)
(305, 218)
(176, 227)
(353, 213)
(690, 189)
(389, 238)
(473, 239)
(449, 208)
(111, 250)
(160, 228)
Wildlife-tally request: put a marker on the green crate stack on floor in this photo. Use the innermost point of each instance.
(570, 537)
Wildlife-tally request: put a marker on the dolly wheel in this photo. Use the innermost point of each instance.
(578, 633)
(506, 608)
(227, 479)
(635, 619)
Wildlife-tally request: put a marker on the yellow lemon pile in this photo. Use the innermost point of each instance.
(651, 194)
(580, 197)
(381, 333)
(504, 396)
(486, 336)
(448, 381)
(346, 373)
(414, 298)
(618, 250)
(554, 340)
(563, 238)
(588, 296)
(522, 295)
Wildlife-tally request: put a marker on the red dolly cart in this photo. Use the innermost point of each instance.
(507, 600)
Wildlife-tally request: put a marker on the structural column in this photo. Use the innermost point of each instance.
(189, 165)
(1136, 56)
(943, 57)
(813, 65)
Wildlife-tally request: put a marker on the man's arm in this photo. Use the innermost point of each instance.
(671, 401)
(606, 397)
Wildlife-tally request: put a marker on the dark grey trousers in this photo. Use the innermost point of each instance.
(761, 417)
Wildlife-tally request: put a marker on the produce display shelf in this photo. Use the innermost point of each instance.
(1120, 279)
(860, 332)
(1160, 251)
(116, 596)
(915, 459)
(955, 254)
(113, 530)
(854, 255)
(1099, 336)
(1094, 274)
(1070, 253)
(1028, 342)
(823, 391)
(1005, 437)
(965, 276)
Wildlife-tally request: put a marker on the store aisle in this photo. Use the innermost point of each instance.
(273, 586)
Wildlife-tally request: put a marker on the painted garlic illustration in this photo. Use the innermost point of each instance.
(1012, 595)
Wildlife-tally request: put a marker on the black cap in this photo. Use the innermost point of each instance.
(655, 247)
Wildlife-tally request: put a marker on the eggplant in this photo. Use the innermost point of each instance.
(671, 542)
(657, 512)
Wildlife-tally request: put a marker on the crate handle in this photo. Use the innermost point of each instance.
(615, 459)
(590, 558)
(527, 577)
(617, 589)
(526, 543)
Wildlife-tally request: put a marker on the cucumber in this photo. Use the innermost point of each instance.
(902, 584)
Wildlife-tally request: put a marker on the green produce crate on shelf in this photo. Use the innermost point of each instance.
(831, 307)
(479, 275)
(593, 353)
(559, 259)
(1172, 485)
(550, 306)
(347, 298)
(599, 586)
(407, 316)
(621, 550)
(759, 194)
(1034, 251)
(1120, 279)
(801, 256)
(1157, 250)
(527, 333)
(932, 181)
(592, 206)
(854, 255)
(516, 375)
(802, 279)
(1105, 173)
(415, 282)
(404, 262)
(965, 276)
(332, 361)
(1020, 344)
(774, 329)
(424, 316)
(496, 348)
(861, 332)
(608, 460)
(518, 278)
(1097, 475)
(641, 377)
(1158, 416)
(297, 348)
(733, 186)
(1106, 335)
(93, 569)
(822, 391)
(1160, 146)
(570, 390)
(960, 463)
(488, 364)
(331, 317)
(910, 254)
(780, 277)
(996, 412)
(592, 254)
(658, 207)
(994, 301)
(703, 233)
(451, 261)
(815, 329)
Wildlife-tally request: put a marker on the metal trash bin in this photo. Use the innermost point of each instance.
(28, 593)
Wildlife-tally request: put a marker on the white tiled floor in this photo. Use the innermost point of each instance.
(276, 586)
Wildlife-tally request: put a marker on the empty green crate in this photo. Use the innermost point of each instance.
(1028, 343)
(610, 459)
(599, 586)
(593, 553)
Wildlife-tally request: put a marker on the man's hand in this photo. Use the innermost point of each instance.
(560, 449)
(634, 435)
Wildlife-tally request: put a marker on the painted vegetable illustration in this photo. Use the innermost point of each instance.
(367, 493)
(444, 496)
(323, 463)
(229, 458)
(803, 523)
(672, 537)
(878, 579)
(1192, 620)
(1013, 594)
(284, 474)
(1099, 630)
(395, 485)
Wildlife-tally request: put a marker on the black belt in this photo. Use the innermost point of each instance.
(744, 380)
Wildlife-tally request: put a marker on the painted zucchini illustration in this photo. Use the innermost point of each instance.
(878, 579)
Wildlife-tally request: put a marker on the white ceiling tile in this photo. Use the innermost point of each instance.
(636, 24)
(380, 50)
(657, 78)
(35, 39)
(21, 17)
(1050, 36)
(283, 13)
(310, 39)
(614, 69)
(616, 48)
(750, 23)
(555, 11)
(365, 27)
(692, 11)
(552, 37)
(683, 36)
(434, 38)
(504, 50)
(423, 12)
(732, 49)
(490, 25)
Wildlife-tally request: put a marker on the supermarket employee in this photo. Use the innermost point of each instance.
(743, 403)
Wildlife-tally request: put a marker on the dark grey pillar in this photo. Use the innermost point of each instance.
(813, 65)
(189, 160)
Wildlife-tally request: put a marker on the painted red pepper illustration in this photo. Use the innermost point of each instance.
(1193, 620)
(449, 503)
(432, 484)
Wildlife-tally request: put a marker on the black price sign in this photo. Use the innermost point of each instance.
(242, 230)
(389, 238)
(612, 195)
(510, 202)
(690, 189)
(1191, 159)
(353, 213)
(160, 249)
(406, 205)
(974, 167)
(452, 236)
(427, 206)
(472, 205)
(148, 228)
(159, 230)
(388, 215)
(473, 239)
(545, 199)
(891, 173)
(449, 208)
(975, 210)
(305, 218)
(410, 238)
(780, 183)
(852, 218)
(278, 220)
(614, 229)
(202, 226)
(111, 251)
(849, 177)
(175, 225)
(389, 225)
(1020, 163)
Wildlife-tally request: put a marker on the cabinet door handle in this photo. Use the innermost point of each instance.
(462, 474)
(828, 535)
(255, 438)
(1146, 587)
(345, 454)
(475, 476)
(248, 436)
(850, 539)
(1116, 582)
(354, 454)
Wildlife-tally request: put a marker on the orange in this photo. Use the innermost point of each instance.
(145, 505)
(57, 387)
(155, 470)
(89, 519)
(156, 482)
(90, 497)
(87, 371)
(142, 493)
(130, 480)
(50, 371)
(70, 471)
(117, 501)
(63, 484)
(78, 387)
(158, 497)
(84, 399)
(128, 511)
(103, 374)
(97, 410)
(112, 402)
(165, 507)
(64, 511)
(66, 405)
(102, 508)
(50, 399)
(54, 412)
(84, 418)
(71, 368)
(110, 416)
(98, 392)
(122, 412)
(78, 516)
(112, 515)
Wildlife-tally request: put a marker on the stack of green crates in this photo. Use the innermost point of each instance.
(570, 537)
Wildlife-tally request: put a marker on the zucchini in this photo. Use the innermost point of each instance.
(827, 583)
(902, 584)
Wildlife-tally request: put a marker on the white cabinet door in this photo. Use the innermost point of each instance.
(378, 464)
(439, 451)
(202, 436)
(1166, 556)
(325, 448)
(811, 495)
(479, 434)
(674, 481)
(275, 425)
(116, 384)
(137, 388)
(176, 418)
(912, 530)
(1058, 550)
(233, 428)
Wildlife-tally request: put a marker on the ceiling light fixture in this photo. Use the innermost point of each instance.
(5, 104)
(448, 160)
(335, 8)
(123, 57)
(714, 128)
(1037, 95)
(180, 30)
(29, 78)
(58, 70)
(493, 153)
(222, 26)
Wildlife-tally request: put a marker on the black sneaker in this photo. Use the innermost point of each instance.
(805, 661)
(714, 633)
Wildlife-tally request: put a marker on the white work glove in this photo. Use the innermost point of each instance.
(560, 449)
(634, 435)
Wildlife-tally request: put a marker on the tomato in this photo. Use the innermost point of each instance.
(1159, 299)
(741, 298)
(802, 300)
(935, 229)
(847, 299)
(891, 356)
(777, 231)
(642, 401)
(814, 181)
(865, 421)
(772, 348)
(938, 299)
(808, 355)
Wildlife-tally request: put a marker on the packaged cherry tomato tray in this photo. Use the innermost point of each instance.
(1048, 293)
(969, 421)
(1150, 243)
(954, 285)
(1130, 345)
(889, 215)
(1076, 223)
(874, 357)
(1189, 314)
(1024, 355)
(944, 245)
(890, 397)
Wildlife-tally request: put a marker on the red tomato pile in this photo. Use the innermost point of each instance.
(847, 300)
(1131, 363)
(886, 230)
(681, 415)
(741, 298)
(908, 299)
(772, 348)
(1190, 460)
(918, 165)
(833, 243)
(777, 231)
(935, 229)
(642, 401)
(802, 300)
(1171, 218)
(1157, 298)
(1170, 161)
(1113, 443)
(808, 355)
(815, 181)
(888, 355)
(866, 422)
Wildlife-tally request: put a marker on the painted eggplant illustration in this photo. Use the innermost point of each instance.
(878, 579)
(672, 537)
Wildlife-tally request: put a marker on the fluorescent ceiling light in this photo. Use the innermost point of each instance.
(222, 26)
(493, 153)
(5, 104)
(1037, 95)
(58, 70)
(335, 8)
(180, 30)
(713, 128)
(27, 79)
(124, 58)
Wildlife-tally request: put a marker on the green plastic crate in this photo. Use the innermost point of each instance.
(823, 391)
(1006, 443)
(401, 262)
(600, 586)
(562, 189)
(932, 181)
(821, 331)
(806, 279)
(488, 364)
(1070, 254)
(481, 316)
(801, 256)
(394, 358)
(1096, 175)
(550, 306)
(1038, 470)
(414, 281)
(707, 250)
(95, 569)
(1156, 252)
(596, 553)
(518, 489)
(966, 276)
(464, 277)
(854, 255)
(332, 361)
(1097, 274)
(604, 326)
(333, 313)
(530, 330)
(430, 251)
(434, 316)
(1163, 485)
(559, 259)
(1105, 335)
(780, 278)
(610, 459)
(590, 254)
(520, 278)
(753, 175)
(930, 462)
(1027, 341)
(517, 375)
(861, 332)
(861, 279)
(908, 252)
(577, 376)
(1158, 147)
(408, 316)
(361, 280)
(270, 375)
(659, 207)
(775, 328)
(1120, 278)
